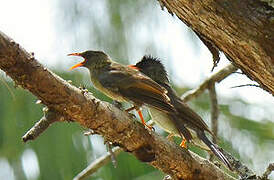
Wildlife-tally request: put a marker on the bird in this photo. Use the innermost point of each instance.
(153, 68)
(124, 84)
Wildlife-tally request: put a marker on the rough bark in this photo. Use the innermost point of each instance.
(243, 30)
(103, 118)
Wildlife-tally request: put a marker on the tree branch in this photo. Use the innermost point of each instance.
(95, 165)
(217, 77)
(50, 116)
(103, 118)
(214, 112)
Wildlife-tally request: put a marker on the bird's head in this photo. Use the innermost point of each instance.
(92, 59)
(153, 68)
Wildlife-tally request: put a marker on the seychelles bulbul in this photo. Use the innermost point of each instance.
(153, 68)
(122, 83)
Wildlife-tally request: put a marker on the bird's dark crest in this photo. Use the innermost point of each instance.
(153, 67)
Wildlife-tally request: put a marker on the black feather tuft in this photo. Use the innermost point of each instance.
(153, 67)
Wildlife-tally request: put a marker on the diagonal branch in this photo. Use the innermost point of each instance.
(214, 112)
(103, 118)
(50, 116)
(217, 77)
(95, 165)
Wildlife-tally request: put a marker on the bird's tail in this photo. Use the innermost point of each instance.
(214, 149)
(183, 131)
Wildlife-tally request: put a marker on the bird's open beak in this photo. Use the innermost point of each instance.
(133, 67)
(79, 64)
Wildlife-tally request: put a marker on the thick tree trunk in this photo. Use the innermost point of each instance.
(243, 30)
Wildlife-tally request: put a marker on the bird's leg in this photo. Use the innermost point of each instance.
(117, 104)
(142, 119)
(183, 143)
(141, 116)
(130, 109)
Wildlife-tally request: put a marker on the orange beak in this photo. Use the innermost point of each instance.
(79, 64)
(133, 67)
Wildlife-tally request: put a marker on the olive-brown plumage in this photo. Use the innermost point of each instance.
(122, 83)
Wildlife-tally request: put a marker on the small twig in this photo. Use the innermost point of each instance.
(98, 163)
(112, 155)
(214, 112)
(244, 85)
(268, 171)
(217, 77)
(49, 117)
(94, 166)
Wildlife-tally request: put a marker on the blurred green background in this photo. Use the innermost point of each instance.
(126, 30)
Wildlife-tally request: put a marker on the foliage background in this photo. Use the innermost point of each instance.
(126, 30)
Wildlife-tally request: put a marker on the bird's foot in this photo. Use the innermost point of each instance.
(151, 128)
(130, 109)
(83, 89)
(143, 121)
(141, 117)
(183, 143)
(117, 104)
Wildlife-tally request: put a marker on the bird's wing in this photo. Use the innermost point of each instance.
(193, 119)
(189, 116)
(135, 87)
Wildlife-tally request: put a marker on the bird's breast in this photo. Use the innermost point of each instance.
(163, 120)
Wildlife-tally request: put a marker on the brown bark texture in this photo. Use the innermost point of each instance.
(243, 30)
(114, 125)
